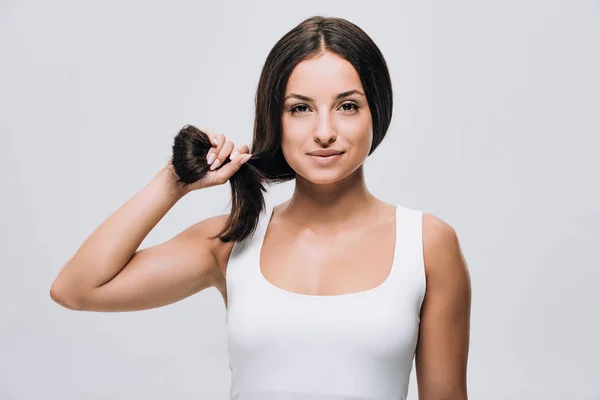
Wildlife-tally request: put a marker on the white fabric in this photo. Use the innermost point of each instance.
(289, 346)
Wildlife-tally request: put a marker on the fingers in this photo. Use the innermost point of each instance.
(222, 155)
(227, 170)
(217, 142)
(221, 149)
(241, 149)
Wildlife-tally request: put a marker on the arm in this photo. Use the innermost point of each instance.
(108, 274)
(443, 345)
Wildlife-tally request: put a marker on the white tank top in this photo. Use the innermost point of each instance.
(288, 346)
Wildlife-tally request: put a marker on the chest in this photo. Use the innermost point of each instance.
(343, 262)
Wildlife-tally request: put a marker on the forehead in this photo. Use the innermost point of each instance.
(325, 74)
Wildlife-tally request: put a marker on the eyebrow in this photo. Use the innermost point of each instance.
(339, 96)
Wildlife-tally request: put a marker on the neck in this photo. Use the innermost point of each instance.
(339, 204)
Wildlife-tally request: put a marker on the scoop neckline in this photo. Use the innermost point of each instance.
(257, 263)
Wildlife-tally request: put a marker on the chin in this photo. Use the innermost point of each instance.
(323, 176)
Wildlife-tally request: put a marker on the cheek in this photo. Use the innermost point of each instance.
(360, 138)
(367, 141)
(293, 137)
(290, 146)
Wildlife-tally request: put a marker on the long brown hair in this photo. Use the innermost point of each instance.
(308, 39)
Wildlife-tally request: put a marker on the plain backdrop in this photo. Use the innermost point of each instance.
(495, 130)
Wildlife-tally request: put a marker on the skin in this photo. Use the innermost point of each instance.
(332, 225)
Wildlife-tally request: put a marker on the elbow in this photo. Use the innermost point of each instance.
(64, 298)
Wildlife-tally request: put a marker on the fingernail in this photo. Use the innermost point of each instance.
(211, 158)
(215, 141)
(234, 155)
(246, 158)
(215, 164)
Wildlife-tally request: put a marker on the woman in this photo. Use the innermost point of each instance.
(329, 295)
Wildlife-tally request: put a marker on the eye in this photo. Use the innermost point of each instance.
(295, 110)
(353, 107)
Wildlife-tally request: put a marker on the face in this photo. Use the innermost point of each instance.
(325, 111)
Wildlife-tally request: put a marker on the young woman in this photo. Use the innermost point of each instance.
(329, 295)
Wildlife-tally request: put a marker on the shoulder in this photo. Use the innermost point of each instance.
(221, 250)
(446, 269)
(203, 232)
(441, 248)
(447, 274)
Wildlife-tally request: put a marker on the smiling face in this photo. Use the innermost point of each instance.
(325, 111)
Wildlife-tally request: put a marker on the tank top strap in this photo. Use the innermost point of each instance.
(409, 229)
(409, 264)
(239, 272)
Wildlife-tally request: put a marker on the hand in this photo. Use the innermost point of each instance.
(224, 160)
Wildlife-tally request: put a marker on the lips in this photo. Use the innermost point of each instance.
(325, 152)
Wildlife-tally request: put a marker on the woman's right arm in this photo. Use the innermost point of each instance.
(108, 273)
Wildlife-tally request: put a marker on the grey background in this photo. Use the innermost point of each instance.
(495, 130)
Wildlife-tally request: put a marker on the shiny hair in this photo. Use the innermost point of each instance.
(309, 39)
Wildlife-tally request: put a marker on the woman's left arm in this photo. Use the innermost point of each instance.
(443, 344)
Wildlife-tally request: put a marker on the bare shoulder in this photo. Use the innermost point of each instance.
(210, 227)
(441, 247)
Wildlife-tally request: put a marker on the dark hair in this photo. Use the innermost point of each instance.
(308, 39)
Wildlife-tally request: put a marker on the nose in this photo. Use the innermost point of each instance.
(324, 132)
